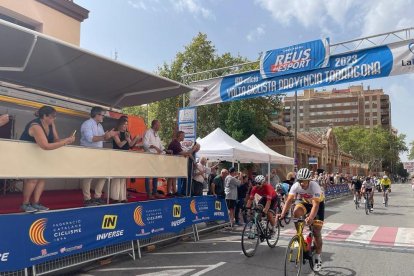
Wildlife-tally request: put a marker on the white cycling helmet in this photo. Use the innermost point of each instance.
(260, 179)
(304, 174)
(385, 177)
(279, 187)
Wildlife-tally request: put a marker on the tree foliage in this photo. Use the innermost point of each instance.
(239, 119)
(411, 154)
(377, 147)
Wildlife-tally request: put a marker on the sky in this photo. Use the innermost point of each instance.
(147, 33)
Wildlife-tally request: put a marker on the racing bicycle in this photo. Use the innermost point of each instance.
(256, 230)
(299, 250)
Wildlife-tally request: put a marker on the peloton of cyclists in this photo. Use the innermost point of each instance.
(310, 199)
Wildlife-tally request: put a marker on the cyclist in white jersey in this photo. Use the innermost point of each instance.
(368, 186)
(309, 199)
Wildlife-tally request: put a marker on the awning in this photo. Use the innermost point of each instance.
(37, 61)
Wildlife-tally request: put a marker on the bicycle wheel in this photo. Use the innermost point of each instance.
(272, 237)
(356, 203)
(386, 199)
(294, 257)
(250, 239)
(367, 205)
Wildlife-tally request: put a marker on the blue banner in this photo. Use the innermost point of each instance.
(377, 62)
(29, 239)
(297, 58)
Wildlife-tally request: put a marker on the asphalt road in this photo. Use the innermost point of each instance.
(381, 243)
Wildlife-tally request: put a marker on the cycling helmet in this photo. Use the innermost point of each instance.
(304, 174)
(279, 187)
(385, 177)
(260, 179)
(354, 178)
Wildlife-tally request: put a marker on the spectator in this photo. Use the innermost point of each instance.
(231, 182)
(175, 148)
(211, 176)
(122, 141)
(152, 144)
(217, 187)
(290, 179)
(201, 173)
(274, 178)
(41, 131)
(4, 119)
(241, 197)
(93, 136)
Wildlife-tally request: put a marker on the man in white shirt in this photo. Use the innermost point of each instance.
(152, 143)
(93, 136)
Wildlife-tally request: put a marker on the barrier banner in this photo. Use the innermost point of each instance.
(29, 239)
(377, 62)
(297, 58)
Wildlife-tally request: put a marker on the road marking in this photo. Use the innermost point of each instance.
(196, 252)
(211, 267)
(341, 233)
(168, 272)
(405, 237)
(163, 267)
(363, 234)
(385, 236)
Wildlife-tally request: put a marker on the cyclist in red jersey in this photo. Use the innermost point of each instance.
(268, 200)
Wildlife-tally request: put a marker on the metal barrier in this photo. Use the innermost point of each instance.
(23, 272)
(82, 258)
(337, 191)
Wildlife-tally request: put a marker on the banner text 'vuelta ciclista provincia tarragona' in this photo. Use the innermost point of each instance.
(377, 62)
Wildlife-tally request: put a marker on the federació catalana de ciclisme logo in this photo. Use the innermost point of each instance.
(138, 216)
(193, 207)
(37, 232)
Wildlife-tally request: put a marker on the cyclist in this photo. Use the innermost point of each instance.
(268, 201)
(282, 189)
(310, 199)
(368, 187)
(356, 185)
(385, 185)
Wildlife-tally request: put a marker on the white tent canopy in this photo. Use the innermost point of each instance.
(275, 158)
(218, 145)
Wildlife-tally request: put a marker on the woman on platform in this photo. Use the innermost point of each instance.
(122, 141)
(41, 131)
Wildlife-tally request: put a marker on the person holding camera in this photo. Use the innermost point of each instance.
(121, 141)
(41, 131)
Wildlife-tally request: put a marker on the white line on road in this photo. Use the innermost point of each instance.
(211, 267)
(168, 272)
(196, 252)
(159, 267)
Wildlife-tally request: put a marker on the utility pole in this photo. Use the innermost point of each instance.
(295, 141)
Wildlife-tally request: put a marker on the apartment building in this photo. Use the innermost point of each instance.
(60, 19)
(338, 107)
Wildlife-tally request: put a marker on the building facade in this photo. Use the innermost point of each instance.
(316, 149)
(346, 107)
(60, 19)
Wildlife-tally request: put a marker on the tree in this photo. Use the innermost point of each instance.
(411, 154)
(201, 55)
(377, 147)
